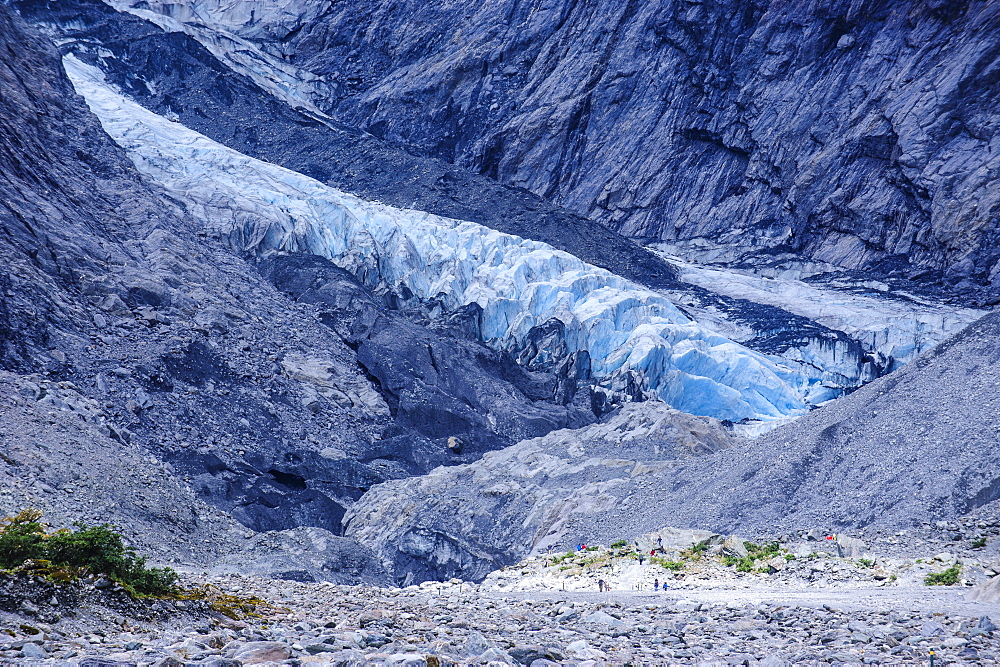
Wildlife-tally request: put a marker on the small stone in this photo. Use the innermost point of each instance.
(601, 618)
(931, 629)
(846, 41)
(313, 649)
(28, 608)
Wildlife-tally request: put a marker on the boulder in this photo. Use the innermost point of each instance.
(602, 618)
(850, 547)
(734, 547)
(988, 591)
(256, 653)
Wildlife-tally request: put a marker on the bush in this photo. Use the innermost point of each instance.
(699, 547)
(741, 564)
(618, 544)
(674, 565)
(98, 549)
(947, 578)
(766, 550)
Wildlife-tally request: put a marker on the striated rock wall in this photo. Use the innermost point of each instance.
(860, 134)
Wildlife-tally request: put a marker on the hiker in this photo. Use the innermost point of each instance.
(656, 584)
(602, 585)
(652, 552)
(641, 557)
(659, 542)
(664, 585)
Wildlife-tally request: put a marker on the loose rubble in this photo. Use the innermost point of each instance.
(830, 607)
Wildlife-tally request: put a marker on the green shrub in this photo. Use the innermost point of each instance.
(741, 564)
(23, 538)
(866, 563)
(97, 549)
(763, 550)
(948, 577)
(979, 543)
(618, 544)
(699, 547)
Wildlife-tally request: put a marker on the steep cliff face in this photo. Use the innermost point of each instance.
(861, 135)
(234, 388)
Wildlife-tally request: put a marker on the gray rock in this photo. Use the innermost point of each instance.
(734, 547)
(255, 653)
(313, 649)
(932, 629)
(781, 168)
(988, 591)
(602, 618)
(850, 547)
(27, 607)
(491, 655)
(31, 650)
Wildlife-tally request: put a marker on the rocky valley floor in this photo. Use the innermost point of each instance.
(544, 611)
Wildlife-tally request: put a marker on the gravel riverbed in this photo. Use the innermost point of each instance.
(460, 623)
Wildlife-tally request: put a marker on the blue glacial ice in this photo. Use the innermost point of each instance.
(626, 328)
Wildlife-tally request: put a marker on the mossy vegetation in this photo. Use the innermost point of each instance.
(66, 555)
(674, 565)
(756, 555)
(948, 577)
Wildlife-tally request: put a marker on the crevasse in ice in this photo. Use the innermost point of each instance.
(518, 283)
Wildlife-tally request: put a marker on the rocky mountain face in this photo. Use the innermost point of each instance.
(854, 136)
(908, 449)
(112, 305)
(338, 339)
(187, 364)
(472, 519)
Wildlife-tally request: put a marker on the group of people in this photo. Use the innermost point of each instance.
(605, 587)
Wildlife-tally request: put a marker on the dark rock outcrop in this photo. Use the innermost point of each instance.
(171, 73)
(916, 446)
(861, 135)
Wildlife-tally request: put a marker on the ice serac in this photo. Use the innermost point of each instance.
(637, 339)
(892, 325)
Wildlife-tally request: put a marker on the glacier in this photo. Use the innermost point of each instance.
(892, 324)
(628, 330)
